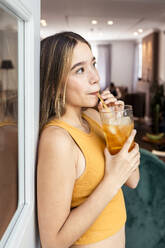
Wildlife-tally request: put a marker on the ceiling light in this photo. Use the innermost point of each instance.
(135, 33)
(140, 30)
(94, 22)
(110, 22)
(43, 23)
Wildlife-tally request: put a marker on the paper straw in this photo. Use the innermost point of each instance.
(104, 105)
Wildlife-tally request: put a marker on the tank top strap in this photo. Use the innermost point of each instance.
(92, 121)
(68, 127)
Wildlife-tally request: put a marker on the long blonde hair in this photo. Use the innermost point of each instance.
(56, 56)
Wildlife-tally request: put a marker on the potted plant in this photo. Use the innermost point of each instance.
(157, 111)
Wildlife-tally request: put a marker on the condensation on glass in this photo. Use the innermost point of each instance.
(8, 118)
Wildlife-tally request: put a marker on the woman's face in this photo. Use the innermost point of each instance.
(83, 78)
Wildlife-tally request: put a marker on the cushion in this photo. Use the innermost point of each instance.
(145, 226)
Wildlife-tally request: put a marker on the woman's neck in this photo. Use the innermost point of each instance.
(74, 118)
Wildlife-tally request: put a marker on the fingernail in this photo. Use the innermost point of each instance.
(134, 131)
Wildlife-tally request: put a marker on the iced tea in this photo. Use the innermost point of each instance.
(116, 136)
(117, 127)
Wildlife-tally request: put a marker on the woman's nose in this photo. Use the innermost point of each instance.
(94, 76)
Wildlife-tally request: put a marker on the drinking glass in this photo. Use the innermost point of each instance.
(117, 125)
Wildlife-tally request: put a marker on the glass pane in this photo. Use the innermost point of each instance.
(8, 118)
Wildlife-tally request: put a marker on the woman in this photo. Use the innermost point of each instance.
(80, 201)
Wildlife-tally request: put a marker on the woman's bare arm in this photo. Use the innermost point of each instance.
(59, 227)
(133, 180)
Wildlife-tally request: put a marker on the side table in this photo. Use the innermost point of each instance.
(156, 145)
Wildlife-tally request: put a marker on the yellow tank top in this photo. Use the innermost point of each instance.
(92, 145)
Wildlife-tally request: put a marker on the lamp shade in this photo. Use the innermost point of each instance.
(7, 64)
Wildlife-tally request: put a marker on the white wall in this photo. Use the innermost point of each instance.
(122, 61)
(104, 65)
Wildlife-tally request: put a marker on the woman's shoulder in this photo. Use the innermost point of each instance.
(56, 137)
(93, 114)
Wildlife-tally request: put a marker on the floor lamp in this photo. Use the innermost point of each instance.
(7, 65)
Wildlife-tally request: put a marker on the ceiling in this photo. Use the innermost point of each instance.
(128, 16)
(7, 21)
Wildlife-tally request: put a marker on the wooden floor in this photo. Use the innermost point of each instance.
(142, 128)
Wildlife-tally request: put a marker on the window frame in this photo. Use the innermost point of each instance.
(26, 201)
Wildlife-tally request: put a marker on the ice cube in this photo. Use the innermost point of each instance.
(119, 114)
(113, 121)
(112, 129)
(125, 120)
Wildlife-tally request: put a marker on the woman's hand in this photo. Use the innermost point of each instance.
(119, 167)
(110, 101)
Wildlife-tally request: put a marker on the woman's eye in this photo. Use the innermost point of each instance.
(79, 71)
(94, 64)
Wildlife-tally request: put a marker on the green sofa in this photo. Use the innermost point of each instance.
(145, 227)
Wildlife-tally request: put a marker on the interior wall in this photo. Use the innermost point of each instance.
(104, 65)
(122, 71)
(122, 62)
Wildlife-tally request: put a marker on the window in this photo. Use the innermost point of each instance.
(11, 120)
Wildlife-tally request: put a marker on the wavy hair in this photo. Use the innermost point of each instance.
(55, 64)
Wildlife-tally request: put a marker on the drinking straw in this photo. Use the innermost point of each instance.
(104, 105)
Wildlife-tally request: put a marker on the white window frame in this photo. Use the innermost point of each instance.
(14, 233)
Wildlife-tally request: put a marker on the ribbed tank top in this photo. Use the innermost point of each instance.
(92, 145)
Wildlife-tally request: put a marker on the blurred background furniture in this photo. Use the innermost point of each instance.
(137, 100)
(145, 205)
(123, 91)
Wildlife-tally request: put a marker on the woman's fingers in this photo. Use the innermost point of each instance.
(136, 164)
(108, 98)
(135, 150)
(119, 105)
(106, 93)
(111, 101)
(136, 157)
(120, 102)
(129, 141)
(135, 161)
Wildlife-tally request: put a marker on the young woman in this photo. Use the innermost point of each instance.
(80, 201)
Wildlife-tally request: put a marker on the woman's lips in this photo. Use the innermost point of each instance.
(94, 93)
